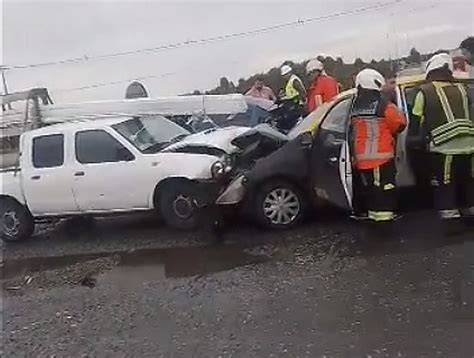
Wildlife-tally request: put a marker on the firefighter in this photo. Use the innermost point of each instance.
(294, 87)
(442, 126)
(375, 124)
(323, 88)
(292, 100)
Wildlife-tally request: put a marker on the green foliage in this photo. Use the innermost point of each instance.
(414, 57)
(344, 72)
(468, 44)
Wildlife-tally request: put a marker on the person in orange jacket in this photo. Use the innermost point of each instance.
(323, 87)
(375, 125)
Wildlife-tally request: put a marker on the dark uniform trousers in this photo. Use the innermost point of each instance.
(380, 192)
(453, 184)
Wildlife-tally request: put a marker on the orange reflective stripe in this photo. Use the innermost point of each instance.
(388, 155)
(371, 148)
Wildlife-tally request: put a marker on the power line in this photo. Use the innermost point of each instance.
(104, 84)
(92, 86)
(208, 40)
(97, 85)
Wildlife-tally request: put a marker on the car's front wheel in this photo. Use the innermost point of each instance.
(16, 222)
(178, 205)
(279, 205)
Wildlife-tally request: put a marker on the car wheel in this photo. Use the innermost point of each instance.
(178, 205)
(16, 222)
(279, 205)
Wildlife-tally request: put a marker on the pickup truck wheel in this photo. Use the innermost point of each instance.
(178, 206)
(16, 222)
(279, 205)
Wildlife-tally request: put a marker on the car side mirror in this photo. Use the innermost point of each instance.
(124, 155)
(306, 140)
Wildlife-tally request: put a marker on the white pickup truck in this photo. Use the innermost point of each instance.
(112, 165)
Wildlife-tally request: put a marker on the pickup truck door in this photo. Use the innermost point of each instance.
(105, 174)
(330, 157)
(46, 175)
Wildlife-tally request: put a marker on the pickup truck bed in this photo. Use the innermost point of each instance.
(8, 160)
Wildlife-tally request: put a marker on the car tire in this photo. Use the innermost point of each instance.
(279, 205)
(16, 222)
(177, 205)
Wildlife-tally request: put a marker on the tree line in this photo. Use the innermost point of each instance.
(343, 72)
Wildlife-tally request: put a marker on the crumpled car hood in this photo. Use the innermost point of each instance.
(220, 139)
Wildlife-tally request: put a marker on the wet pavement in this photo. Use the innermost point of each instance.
(129, 287)
(144, 264)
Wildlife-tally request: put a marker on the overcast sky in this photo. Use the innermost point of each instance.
(42, 31)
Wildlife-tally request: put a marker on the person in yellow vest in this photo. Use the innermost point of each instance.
(294, 87)
(292, 99)
(442, 126)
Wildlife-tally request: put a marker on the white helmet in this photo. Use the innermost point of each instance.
(314, 65)
(439, 61)
(285, 69)
(370, 79)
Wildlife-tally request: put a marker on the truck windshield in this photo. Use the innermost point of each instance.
(150, 134)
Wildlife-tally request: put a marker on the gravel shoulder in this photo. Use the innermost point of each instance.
(331, 289)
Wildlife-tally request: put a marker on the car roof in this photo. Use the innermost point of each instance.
(344, 94)
(403, 81)
(419, 78)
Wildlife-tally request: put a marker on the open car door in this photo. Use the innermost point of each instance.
(331, 164)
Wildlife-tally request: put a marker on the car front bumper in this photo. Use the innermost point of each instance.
(234, 193)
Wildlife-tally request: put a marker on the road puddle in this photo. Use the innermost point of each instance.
(143, 265)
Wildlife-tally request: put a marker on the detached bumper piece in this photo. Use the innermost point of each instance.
(234, 193)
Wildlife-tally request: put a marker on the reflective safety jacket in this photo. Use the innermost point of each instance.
(375, 126)
(324, 86)
(445, 122)
(291, 92)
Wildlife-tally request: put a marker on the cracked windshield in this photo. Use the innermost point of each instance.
(237, 178)
(150, 132)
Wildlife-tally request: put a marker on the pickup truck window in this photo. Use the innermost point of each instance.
(48, 151)
(98, 146)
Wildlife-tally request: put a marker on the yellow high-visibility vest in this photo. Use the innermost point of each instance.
(290, 90)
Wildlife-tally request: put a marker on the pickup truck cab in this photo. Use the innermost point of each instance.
(112, 165)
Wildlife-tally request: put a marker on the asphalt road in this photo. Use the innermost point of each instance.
(127, 287)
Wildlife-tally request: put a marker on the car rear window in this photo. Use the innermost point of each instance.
(48, 151)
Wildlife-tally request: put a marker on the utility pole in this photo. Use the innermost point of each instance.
(5, 87)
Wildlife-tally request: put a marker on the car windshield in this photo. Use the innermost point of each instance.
(309, 121)
(150, 134)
